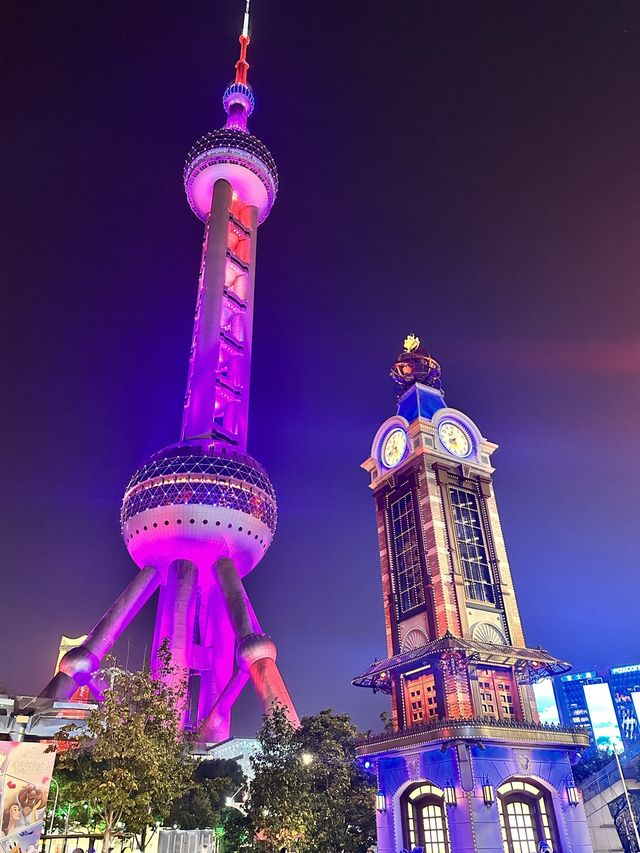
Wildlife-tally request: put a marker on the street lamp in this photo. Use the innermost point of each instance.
(232, 802)
(572, 791)
(381, 802)
(450, 793)
(488, 791)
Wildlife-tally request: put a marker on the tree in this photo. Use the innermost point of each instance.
(131, 760)
(280, 798)
(343, 795)
(592, 761)
(238, 830)
(194, 810)
(387, 721)
(308, 794)
(204, 805)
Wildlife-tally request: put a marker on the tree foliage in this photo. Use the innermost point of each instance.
(220, 768)
(308, 794)
(387, 721)
(592, 760)
(279, 802)
(204, 805)
(131, 759)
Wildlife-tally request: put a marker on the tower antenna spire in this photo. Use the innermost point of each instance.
(245, 24)
(242, 66)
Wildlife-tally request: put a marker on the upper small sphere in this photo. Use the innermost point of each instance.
(238, 157)
(239, 95)
(193, 503)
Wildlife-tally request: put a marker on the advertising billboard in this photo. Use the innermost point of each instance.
(625, 681)
(579, 676)
(635, 698)
(546, 701)
(25, 775)
(603, 717)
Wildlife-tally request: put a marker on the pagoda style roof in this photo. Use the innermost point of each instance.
(456, 653)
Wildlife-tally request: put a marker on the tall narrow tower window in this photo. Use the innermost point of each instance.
(406, 553)
(479, 584)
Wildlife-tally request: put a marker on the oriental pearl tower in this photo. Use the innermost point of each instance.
(200, 514)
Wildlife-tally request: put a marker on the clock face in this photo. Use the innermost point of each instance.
(393, 447)
(454, 439)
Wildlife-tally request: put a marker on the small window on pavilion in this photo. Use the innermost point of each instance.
(496, 691)
(421, 702)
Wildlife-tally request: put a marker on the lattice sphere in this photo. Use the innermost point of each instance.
(193, 505)
(238, 157)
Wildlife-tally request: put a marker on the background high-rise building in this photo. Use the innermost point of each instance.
(572, 701)
(624, 682)
(606, 704)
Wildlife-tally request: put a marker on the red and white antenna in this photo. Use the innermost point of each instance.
(242, 66)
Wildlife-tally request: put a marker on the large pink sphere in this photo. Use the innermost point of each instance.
(187, 503)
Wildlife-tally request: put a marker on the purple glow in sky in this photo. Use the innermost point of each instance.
(469, 174)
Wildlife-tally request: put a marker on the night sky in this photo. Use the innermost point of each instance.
(468, 171)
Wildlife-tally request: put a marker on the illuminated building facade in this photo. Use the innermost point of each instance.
(200, 514)
(572, 702)
(605, 704)
(624, 682)
(468, 765)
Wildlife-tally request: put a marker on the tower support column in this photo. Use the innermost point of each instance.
(176, 614)
(256, 652)
(248, 216)
(78, 665)
(219, 646)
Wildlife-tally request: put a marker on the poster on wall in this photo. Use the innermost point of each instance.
(25, 776)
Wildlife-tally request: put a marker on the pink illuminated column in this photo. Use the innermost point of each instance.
(256, 652)
(79, 664)
(176, 614)
(217, 398)
(219, 665)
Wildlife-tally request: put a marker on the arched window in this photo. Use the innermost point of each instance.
(526, 817)
(425, 819)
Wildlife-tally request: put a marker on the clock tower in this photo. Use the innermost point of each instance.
(467, 765)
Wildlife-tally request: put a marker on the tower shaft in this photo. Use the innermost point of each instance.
(217, 397)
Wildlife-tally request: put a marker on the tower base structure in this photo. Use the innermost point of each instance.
(465, 786)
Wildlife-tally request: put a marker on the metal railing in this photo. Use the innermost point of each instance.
(425, 728)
